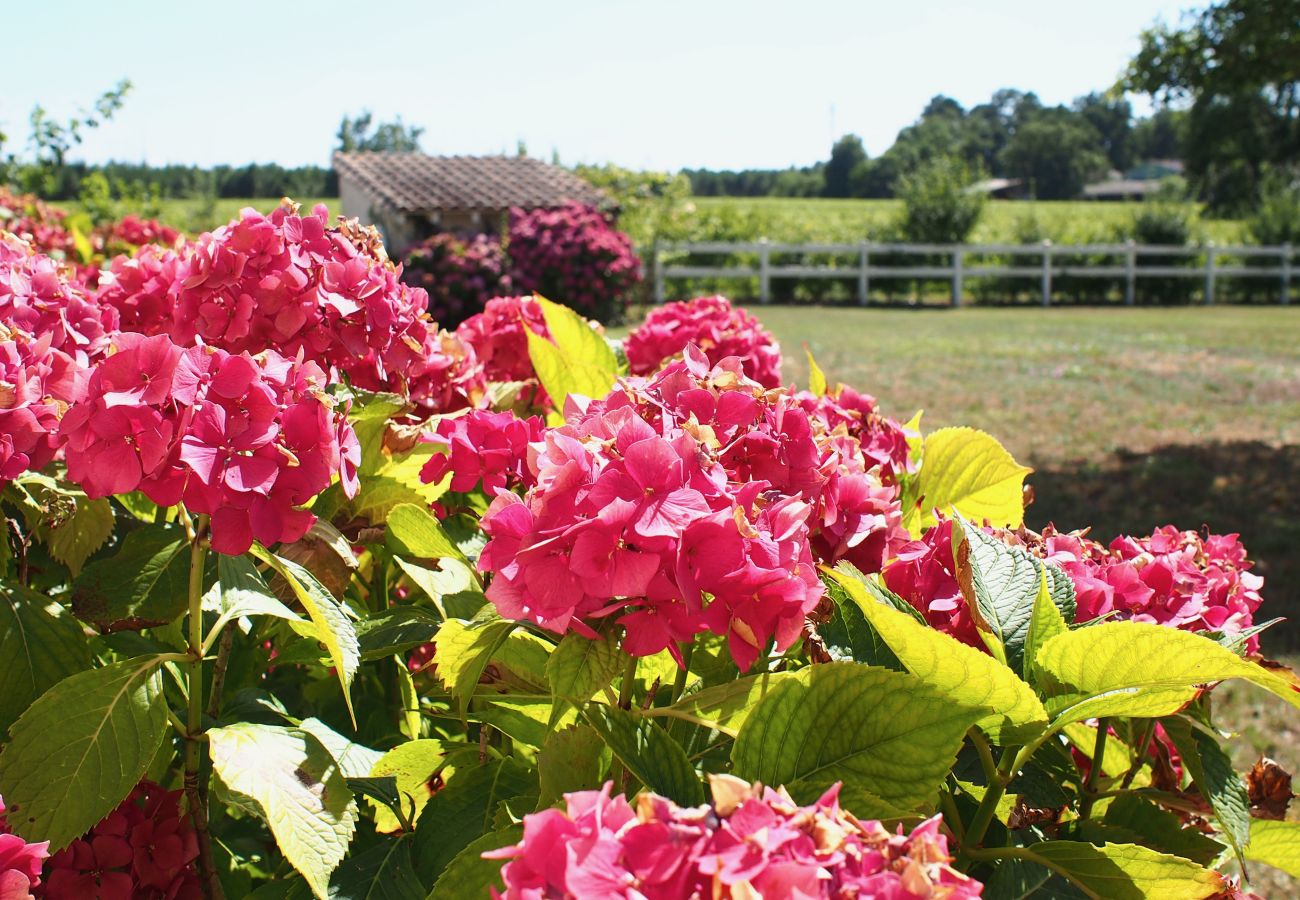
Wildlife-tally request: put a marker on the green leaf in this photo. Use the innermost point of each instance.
(726, 706)
(646, 749)
(451, 586)
(413, 531)
(145, 583)
(1212, 771)
(1005, 581)
(355, 759)
(1157, 828)
(1276, 844)
(1045, 622)
(384, 872)
(848, 635)
(970, 678)
(80, 749)
(464, 809)
(464, 650)
(1126, 871)
(885, 733)
(369, 415)
(523, 718)
(576, 360)
(240, 591)
(413, 764)
(299, 789)
(579, 667)
(816, 377)
(395, 630)
(1140, 669)
(970, 471)
(75, 538)
(571, 759)
(469, 874)
(39, 650)
(334, 629)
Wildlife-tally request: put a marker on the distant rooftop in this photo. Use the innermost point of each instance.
(416, 183)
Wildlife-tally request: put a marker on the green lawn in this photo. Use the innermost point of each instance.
(197, 215)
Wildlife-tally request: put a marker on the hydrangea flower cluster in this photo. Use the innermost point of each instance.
(1177, 578)
(483, 447)
(137, 232)
(38, 297)
(712, 324)
(20, 862)
(37, 384)
(145, 849)
(36, 222)
(883, 440)
(286, 282)
(499, 339)
(690, 502)
(457, 273)
(751, 841)
(247, 440)
(573, 253)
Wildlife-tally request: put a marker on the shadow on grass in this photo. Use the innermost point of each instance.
(1243, 486)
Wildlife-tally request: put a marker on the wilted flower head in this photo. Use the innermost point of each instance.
(750, 841)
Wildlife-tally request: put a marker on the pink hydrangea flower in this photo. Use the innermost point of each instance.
(39, 296)
(248, 440)
(20, 862)
(499, 339)
(749, 841)
(1176, 578)
(144, 849)
(713, 325)
(37, 384)
(458, 273)
(695, 501)
(484, 448)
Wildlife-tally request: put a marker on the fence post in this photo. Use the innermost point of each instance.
(1286, 274)
(1209, 273)
(1047, 273)
(864, 277)
(764, 273)
(657, 264)
(956, 275)
(1130, 273)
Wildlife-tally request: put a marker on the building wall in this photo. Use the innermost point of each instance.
(397, 230)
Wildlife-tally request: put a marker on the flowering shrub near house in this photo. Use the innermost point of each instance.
(301, 594)
(458, 274)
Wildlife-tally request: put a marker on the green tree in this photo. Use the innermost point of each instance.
(938, 207)
(1112, 118)
(847, 153)
(1057, 153)
(363, 133)
(51, 140)
(1236, 66)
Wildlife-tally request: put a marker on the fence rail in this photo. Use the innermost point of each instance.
(873, 261)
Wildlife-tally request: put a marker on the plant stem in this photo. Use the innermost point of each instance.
(194, 724)
(679, 682)
(985, 754)
(952, 815)
(219, 672)
(629, 679)
(1139, 754)
(1094, 770)
(998, 781)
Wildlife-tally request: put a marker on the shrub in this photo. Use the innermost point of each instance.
(1164, 220)
(938, 205)
(574, 255)
(1276, 219)
(458, 274)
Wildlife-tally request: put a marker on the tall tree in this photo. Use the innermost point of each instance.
(1236, 65)
(1056, 152)
(847, 153)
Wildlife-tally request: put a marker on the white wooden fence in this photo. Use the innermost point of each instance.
(873, 261)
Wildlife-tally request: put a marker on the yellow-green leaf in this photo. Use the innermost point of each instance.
(968, 470)
(1140, 669)
(1126, 871)
(413, 531)
(725, 707)
(464, 650)
(969, 677)
(576, 360)
(1275, 844)
(816, 377)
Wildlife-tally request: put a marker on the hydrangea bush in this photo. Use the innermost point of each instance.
(304, 595)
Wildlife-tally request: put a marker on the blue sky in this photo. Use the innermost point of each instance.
(662, 84)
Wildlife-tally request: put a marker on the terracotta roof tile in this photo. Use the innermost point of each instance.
(414, 182)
